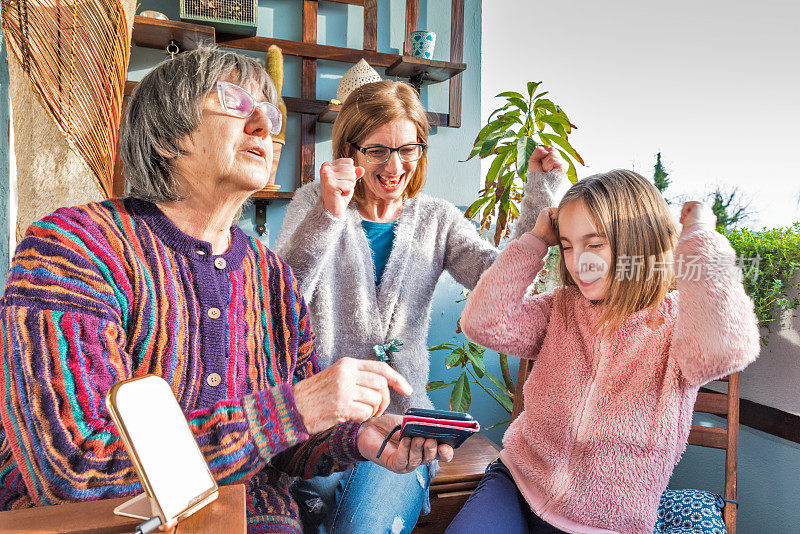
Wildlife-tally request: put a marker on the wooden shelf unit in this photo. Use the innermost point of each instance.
(272, 195)
(154, 33)
(330, 112)
(420, 70)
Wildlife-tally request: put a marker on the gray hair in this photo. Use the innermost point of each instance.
(166, 107)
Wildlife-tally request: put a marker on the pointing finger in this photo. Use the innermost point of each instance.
(395, 379)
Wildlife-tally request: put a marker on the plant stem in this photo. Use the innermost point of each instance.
(498, 424)
(506, 373)
(485, 389)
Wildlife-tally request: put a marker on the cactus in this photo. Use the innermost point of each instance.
(274, 62)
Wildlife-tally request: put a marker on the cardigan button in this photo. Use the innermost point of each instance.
(213, 379)
(220, 263)
(214, 313)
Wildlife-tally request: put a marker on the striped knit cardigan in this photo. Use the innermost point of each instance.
(112, 290)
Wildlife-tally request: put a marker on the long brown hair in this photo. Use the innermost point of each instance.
(371, 106)
(633, 215)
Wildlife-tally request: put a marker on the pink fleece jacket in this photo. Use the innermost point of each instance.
(606, 421)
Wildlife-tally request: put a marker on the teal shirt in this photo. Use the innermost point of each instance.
(381, 237)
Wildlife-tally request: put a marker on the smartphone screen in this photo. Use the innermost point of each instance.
(167, 451)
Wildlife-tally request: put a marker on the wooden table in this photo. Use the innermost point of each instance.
(226, 515)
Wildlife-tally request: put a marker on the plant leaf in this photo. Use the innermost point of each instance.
(501, 386)
(480, 349)
(497, 166)
(545, 103)
(557, 118)
(563, 143)
(525, 147)
(519, 102)
(454, 358)
(474, 152)
(498, 110)
(488, 147)
(488, 129)
(461, 398)
(491, 142)
(446, 345)
(502, 399)
(477, 362)
(437, 384)
(572, 173)
(509, 94)
(473, 209)
(532, 86)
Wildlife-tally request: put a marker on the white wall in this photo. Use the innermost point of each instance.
(774, 379)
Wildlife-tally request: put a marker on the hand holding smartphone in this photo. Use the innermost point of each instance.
(450, 428)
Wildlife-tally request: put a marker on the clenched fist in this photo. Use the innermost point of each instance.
(545, 225)
(695, 211)
(338, 179)
(546, 159)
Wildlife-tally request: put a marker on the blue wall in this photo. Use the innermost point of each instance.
(342, 25)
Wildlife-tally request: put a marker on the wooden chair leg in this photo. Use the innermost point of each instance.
(732, 453)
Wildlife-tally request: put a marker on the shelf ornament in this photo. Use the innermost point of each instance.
(274, 64)
(359, 74)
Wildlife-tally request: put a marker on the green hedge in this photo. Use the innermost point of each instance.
(770, 258)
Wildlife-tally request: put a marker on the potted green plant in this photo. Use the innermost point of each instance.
(511, 134)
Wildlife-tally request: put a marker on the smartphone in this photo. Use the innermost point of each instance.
(438, 414)
(451, 428)
(173, 472)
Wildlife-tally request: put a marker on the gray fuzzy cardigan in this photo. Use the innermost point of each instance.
(332, 261)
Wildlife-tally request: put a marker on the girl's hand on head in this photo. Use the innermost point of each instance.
(696, 212)
(338, 179)
(546, 159)
(544, 228)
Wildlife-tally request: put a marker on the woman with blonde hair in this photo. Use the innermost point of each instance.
(620, 356)
(368, 248)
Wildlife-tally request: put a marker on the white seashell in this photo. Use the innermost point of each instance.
(154, 14)
(356, 76)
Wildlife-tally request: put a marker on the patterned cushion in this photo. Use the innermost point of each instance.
(690, 511)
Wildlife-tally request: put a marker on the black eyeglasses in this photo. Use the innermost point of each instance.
(379, 154)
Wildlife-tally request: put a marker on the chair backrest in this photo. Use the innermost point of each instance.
(723, 404)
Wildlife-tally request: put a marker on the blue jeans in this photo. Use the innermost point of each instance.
(364, 499)
(498, 501)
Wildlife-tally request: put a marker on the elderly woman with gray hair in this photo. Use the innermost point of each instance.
(163, 282)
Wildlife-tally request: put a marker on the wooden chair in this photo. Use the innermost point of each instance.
(725, 405)
(722, 404)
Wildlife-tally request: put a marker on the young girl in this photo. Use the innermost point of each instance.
(619, 356)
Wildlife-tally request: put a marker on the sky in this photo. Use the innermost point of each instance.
(713, 85)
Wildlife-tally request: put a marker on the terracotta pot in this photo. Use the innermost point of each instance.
(277, 146)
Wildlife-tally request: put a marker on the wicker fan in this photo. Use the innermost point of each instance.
(76, 55)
